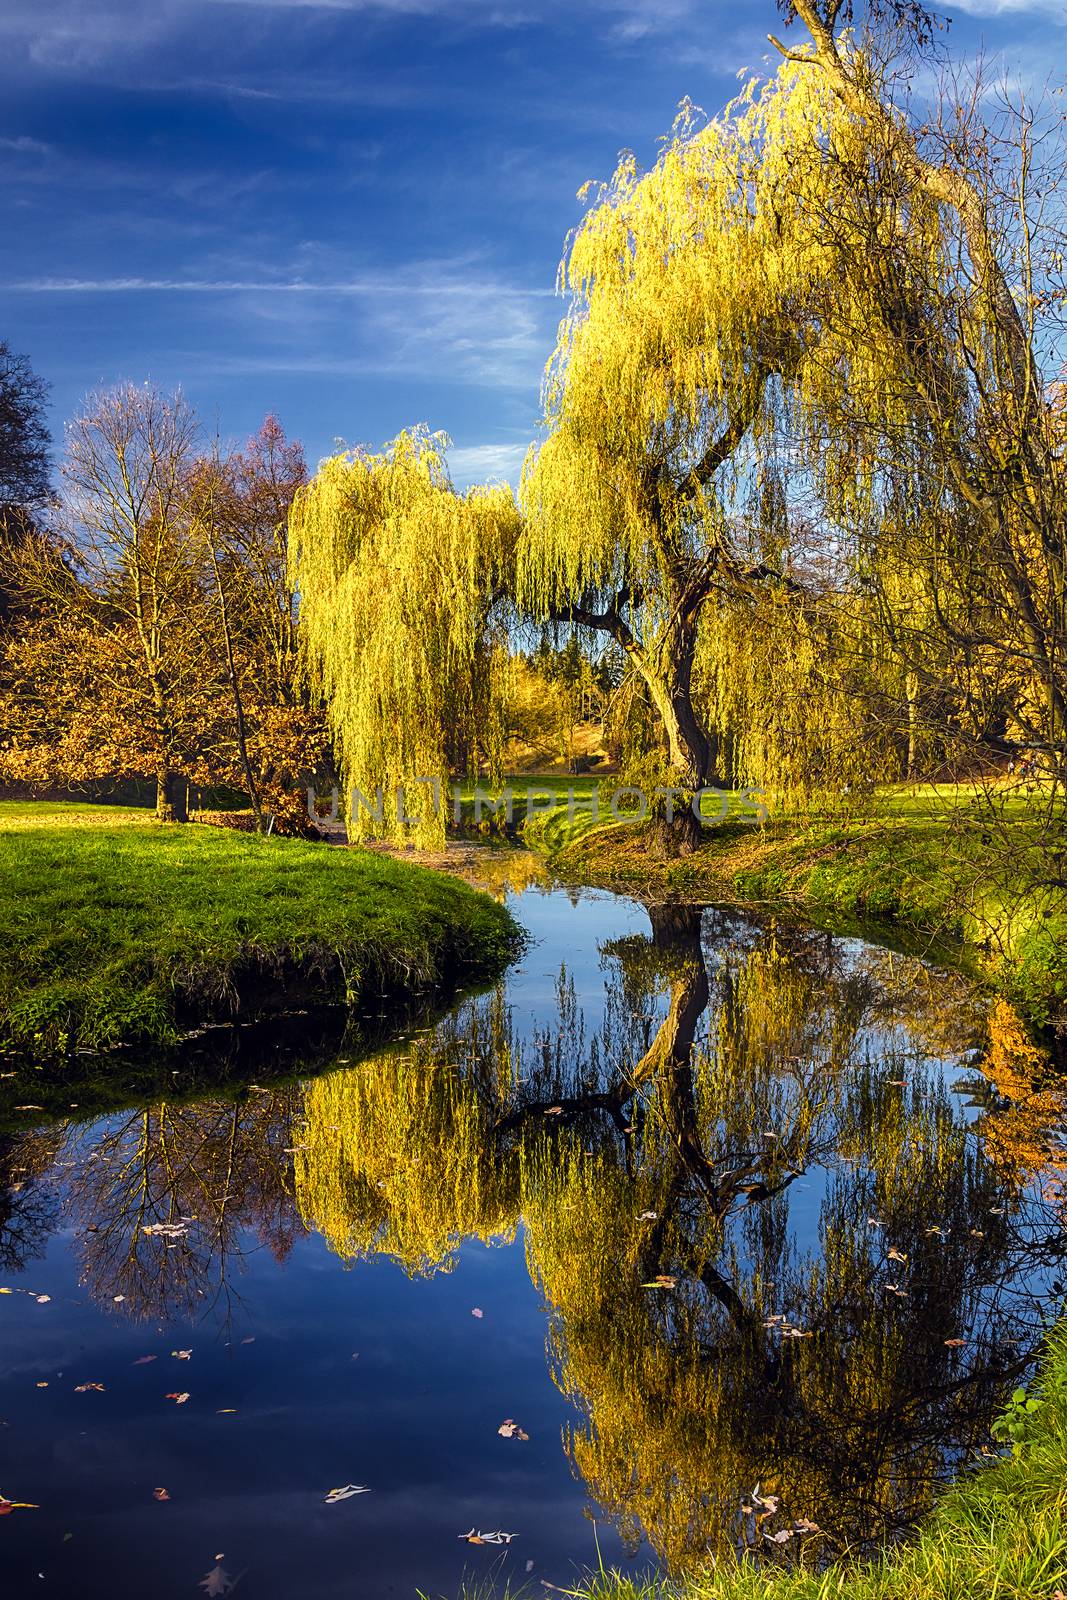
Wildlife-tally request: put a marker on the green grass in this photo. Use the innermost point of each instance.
(121, 930)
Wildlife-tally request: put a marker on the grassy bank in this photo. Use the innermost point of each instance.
(1000, 1533)
(979, 869)
(118, 929)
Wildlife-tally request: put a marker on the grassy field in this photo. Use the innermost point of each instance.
(118, 929)
(999, 1534)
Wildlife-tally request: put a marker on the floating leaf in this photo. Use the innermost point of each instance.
(346, 1492)
(955, 1344)
(160, 1494)
(179, 1399)
(476, 1311)
(510, 1429)
(182, 1355)
(897, 1255)
(42, 1299)
(8, 1506)
(781, 1537)
(662, 1280)
(84, 1388)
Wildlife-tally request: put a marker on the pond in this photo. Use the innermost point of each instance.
(700, 1232)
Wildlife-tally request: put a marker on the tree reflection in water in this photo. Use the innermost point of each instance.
(759, 1218)
(753, 1207)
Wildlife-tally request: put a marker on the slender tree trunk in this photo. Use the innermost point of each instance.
(911, 688)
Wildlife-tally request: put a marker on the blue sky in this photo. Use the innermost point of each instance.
(348, 212)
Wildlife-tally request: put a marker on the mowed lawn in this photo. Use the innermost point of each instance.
(118, 928)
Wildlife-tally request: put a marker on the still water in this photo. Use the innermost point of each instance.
(689, 1204)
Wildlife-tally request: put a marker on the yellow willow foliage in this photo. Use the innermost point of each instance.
(396, 1159)
(396, 573)
(716, 296)
(792, 698)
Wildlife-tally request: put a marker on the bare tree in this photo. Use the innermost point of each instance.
(125, 472)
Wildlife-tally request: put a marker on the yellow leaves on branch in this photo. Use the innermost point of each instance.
(716, 299)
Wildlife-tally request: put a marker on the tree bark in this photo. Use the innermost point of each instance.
(172, 795)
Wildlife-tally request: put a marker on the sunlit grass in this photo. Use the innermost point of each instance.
(117, 932)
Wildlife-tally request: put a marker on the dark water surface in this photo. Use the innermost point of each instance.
(695, 1202)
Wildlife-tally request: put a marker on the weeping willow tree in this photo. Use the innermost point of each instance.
(697, 339)
(793, 338)
(397, 574)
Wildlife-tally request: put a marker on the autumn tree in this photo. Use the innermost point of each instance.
(238, 505)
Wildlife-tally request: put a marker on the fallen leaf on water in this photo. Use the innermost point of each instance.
(84, 1388)
(510, 1429)
(227, 1411)
(782, 1537)
(182, 1355)
(160, 1494)
(554, 1111)
(216, 1582)
(805, 1525)
(346, 1492)
(476, 1311)
(142, 1361)
(42, 1299)
(955, 1344)
(179, 1399)
(118, 1299)
(873, 1222)
(662, 1280)
(897, 1255)
(8, 1506)
(894, 1288)
(43, 1384)
(647, 1216)
(477, 1537)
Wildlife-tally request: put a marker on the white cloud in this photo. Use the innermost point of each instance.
(486, 463)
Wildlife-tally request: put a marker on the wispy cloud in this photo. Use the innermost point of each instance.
(23, 145)
(486, 463)
(372, 286)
